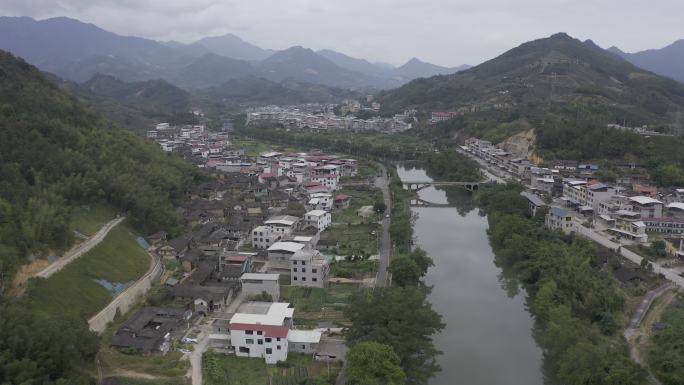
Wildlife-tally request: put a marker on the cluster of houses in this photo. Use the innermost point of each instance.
(248, 230)
(295, 118)
(194, 142)
(627, 209)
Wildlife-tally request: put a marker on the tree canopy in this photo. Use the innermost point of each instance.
(56, 154)
(372, 363)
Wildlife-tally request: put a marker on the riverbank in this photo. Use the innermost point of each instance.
(485, 326)
(578, 308)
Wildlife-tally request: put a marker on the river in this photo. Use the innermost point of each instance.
(488, 335)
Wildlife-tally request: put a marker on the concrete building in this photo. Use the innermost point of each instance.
(282, 224)
(320, 219)
(283, 251)
(559, 219)
(647, 207)
(260, 329)
(257, 283)
(309, 268)
(303, 341)
(264, 236)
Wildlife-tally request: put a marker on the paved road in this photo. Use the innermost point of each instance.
(196, 355)
(203, 341)
(79, 249)
(385, 251)
(490, 172)
(670, 274)
(646, 303)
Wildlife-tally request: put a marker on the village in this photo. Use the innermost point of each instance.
(628, 215)
(322, 118)
(274, 245)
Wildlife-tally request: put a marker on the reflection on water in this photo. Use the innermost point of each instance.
(488, 338)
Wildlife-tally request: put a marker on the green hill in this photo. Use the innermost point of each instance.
(57, 155)
(547, 76)
(567, 91)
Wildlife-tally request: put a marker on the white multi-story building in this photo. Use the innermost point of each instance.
(321, 201)
(264, 330)
(320, 219)
(559, 219)
(282, 224)
(261, 330)
(309, 268)
(264, 236)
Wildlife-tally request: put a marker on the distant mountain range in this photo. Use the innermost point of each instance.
(77, 51)
(667, 61)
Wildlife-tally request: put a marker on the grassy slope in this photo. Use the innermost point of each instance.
(88, 219)
(73, 290)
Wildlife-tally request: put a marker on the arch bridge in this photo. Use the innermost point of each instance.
(417, 186)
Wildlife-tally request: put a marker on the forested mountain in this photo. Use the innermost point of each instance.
(564, 89)
(231, 46)
(416, 68)
(359, 65)
(152, 95)
(258, 91)
(76, 51)
(304, 64)
(56, 154)
(212, 69)
(667, 61)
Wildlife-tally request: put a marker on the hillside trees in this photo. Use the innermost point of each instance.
(55, 154)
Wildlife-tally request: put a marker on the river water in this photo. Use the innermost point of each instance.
(488, 335)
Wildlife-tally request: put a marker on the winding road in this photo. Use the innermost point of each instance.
(80, 249)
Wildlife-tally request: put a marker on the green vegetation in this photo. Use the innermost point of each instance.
(656, 250)
(44, 350)
(371, 363)
(88, 219)
(354, 240)
(118, 259)
(220, 369)
(452, 166)
(577, 306)
(311, 300)
(401, 229)
(382, 316)
(361, 196)
(567, 91)
(169, 367)
(162, 381)
(666, 356)
(354, 269)
(370, 145)
(56, 155)
(409, 269)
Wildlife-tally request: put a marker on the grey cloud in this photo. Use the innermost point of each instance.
(446, 32)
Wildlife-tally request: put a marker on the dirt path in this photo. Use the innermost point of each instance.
(638, 335)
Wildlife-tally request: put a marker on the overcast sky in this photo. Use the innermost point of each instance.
(445, 32)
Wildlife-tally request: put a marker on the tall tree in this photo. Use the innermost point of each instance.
(383, 316)
(372, 363)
